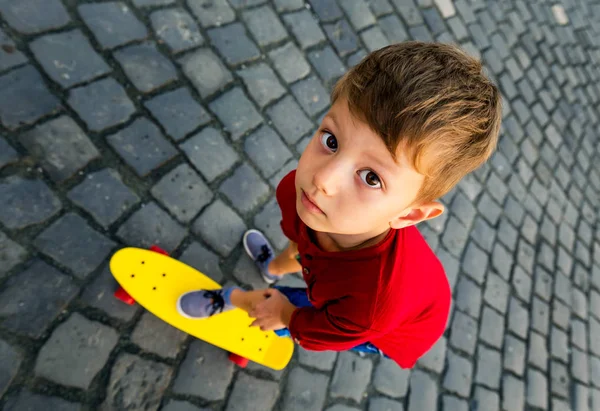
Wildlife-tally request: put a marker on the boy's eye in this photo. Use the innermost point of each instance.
(329, 141)
(370, 178)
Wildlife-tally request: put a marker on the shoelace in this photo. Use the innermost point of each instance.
(218, 303)
(264, 255)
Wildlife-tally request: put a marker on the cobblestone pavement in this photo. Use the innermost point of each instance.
(171, 122)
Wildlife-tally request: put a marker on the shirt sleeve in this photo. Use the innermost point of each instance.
(286, 198)
(327, 328)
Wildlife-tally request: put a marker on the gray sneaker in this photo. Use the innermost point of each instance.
(205, 303)
(261, 252)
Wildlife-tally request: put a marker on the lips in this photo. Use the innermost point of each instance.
(310, 204)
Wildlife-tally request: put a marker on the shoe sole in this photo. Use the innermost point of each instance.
(244, 241)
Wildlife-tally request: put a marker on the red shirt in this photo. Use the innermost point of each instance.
(394, 294)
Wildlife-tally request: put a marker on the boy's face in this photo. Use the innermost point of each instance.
(347, 182)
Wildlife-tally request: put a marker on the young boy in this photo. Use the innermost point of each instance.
(405, 125)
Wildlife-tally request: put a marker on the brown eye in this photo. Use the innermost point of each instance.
(329, 141)
(370, 178)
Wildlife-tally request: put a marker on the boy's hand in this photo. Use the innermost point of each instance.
(274, 312)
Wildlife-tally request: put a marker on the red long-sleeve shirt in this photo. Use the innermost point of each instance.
(394, 294)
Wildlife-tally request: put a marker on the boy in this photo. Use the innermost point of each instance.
(405, 125)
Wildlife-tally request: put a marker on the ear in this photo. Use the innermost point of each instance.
(417, 214)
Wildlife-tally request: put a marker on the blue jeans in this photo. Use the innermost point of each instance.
(298, 297)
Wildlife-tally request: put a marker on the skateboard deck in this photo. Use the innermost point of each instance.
(156, 281)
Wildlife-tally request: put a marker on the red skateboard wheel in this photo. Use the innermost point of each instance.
(122, 295)
(159, 250)
(238, 360)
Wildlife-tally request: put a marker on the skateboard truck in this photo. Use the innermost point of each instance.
(122, 295)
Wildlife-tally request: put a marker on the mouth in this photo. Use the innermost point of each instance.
(310, 204)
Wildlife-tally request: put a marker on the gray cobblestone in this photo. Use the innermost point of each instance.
(537, 389)
(522, 284)
(483, 234)
(342, 37)
(543, 284)
(246, 273)
(68, 58)
(9, 55)
(492, 328)
(266, 150)
(486, 400)
(264, 25)
(235, 101)
(113, 24)
(579, 303)
(514, 355)
(326, 10)
(559, 344)
(10, 362)
(289, 120)
(358, 13)
(209, 153)
(70, 241)
(150, 225)
(24, 98)
(80, 345)
(268, 221)
(459, 375)
(455, 237)
(350, 377)
(452, 403)
(435, 358)
(245, 189)
(146, 67)
(561, 314)
(463, 335)
(384, 404)
(11, 254)
(101, 104)
(177, 29)
(220, 227)
(518, 318)
(513, 393)
(174, 405)
(391, 380)
(304, 27)
(468, 297)
(322, 360)
(581, 398)
(305, 391)
(327, 64)
(27, 400)
(579, 334)
(142, 146)
(594, 370)
(24, 202)
(262, 84)
(540, 315)
(206, 71)
(99, 294)
(212, 12)
(196, 256)
(580, 366)
(423, 392)
(311, 95)
(538, 353)
(156, 336)
(489, 367)
(151, 3)
(8, 155)
(289, 62)
(496, 292)
(252, 393)
(233, 43)
(559, 379)
(34, 16)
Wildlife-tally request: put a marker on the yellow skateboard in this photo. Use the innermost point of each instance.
(156, 281)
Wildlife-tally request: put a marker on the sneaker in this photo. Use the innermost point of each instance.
(205, 303)
(261, 252)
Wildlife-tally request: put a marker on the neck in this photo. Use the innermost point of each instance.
(348, 242)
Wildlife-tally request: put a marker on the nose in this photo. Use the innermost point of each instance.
(328, 177)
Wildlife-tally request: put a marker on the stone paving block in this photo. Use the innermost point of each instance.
(514, 354)
(492, 328)
(358, 13)
(538, 353)
(262, 84)
(459, 375)
(580, 366)
(198, 257)
(452, 403)
(68, 58)
(136, 383)
(484, 234)
(71, 242)
(151, 225)
(455, 237)
(235, 101)
(264, 25)
(594, 371)
(351, 376)
(468, 297)
(212, 12)
(463, 209)
(311, 95)
(9, 55)
(24, 202)
(326, 10)
(177, 29)
(384, 404)
(543, 284)
(61, 147)
(220, 227)
(561, 314)
(489, 367)
(340, 407)
(525, 256)
(174, 405)
(247, 274)
(374, 39)
(154, 335)
(183, 193)
(34, 16)
(380, 7)
(178, 112)
(513, 393)
(581, 398)
(268, 221)
(8, 155)
(322, 360)
(391, 380)
(485, 400)
(579, 303)
(518, 318)
(10, 361)
(559, 344)
(305, 390)
(540, 314)
(434, 21)
(252, 393)
(562, 288)
(204, 362)
(496, 292)
(233, 43)
(288, 5)
(537, 389)
(423, 392)
(209, 153)
(463, 335)
(151, 3)
(27, 400)
(79, 345)
(99, 294)
(409, 11)
(579, 334)
(266, 150)
(24, 98)
(522, 284)
(327, 64)
(502, 261)
(104, 195)
(11, 254)
(559, 379)
(146, 67)
(113, 24)
(29, 306)
(435, 358)
(142, 146)
(101, 104)
(304, 27)
(289, 62)
(342, 37)
(245, 189)
(206, 71)
(289, 119)
(475, 263)
(420, 33)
